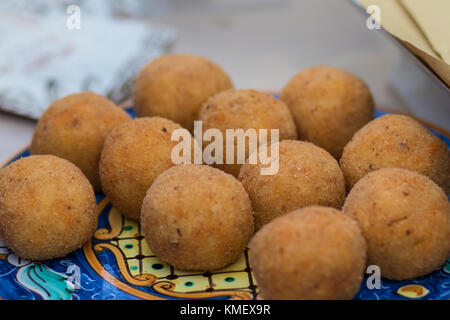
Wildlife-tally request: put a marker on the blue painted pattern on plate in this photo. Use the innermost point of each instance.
(54, 279)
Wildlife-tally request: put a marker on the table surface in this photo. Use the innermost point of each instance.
(263, 46)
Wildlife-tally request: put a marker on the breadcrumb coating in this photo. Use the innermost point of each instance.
(133, 155)
(307, 175)
(196, 217)
(396, 141)
(313, 253)
(246, 109)
(47, 207)
(329, 105)
(75, 128)
(174, 86)
(405, 218)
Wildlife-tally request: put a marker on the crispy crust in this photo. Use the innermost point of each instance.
(47, 207)
(196, 217)
(307, 175)
(310, 253)
(246, 109)
(174, 86)
(405, 218)
(329, 105)
(133, 155)
(75, 127)
(396, 141)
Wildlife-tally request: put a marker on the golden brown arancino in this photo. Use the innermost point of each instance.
(75, 127)
(329, 105)
(196, 217)
(311, 253)
(405, 218)
(307, 175)
(47, 207)
(246, 109)
(133, 155)
(396, 141)
(174, 86)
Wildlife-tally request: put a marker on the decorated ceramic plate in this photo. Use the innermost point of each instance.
(118, 264)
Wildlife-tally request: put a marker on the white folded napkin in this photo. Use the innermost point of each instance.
(43, 59)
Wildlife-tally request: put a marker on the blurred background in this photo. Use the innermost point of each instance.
(259, 43)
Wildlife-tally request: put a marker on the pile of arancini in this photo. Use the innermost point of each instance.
(318, 222)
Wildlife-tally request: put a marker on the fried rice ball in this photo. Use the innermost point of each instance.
(307, 175)
(196, 217)
(133, 155)
(405, 218)
(396, 141)
(329, 105)
(75, 127)
(47, 207)
(246, 109)
(174, 86)
(313, 253)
